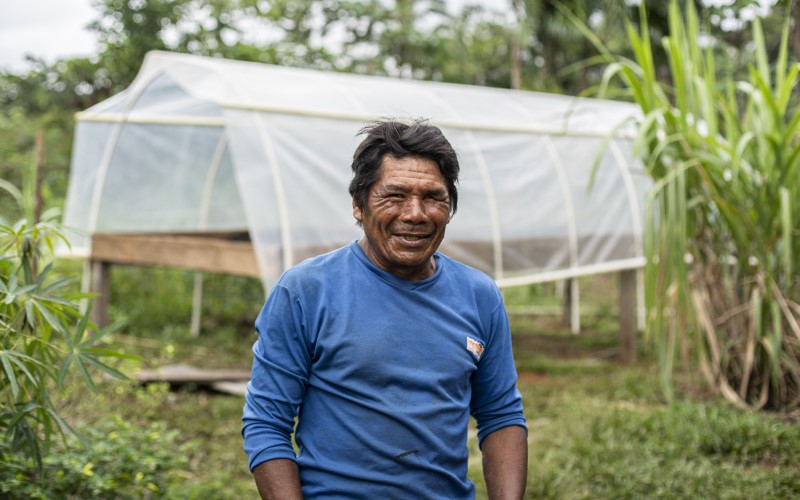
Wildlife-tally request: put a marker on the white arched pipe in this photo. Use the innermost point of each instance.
(636, 220)
(280, 192)
(205, 207)
(572, 226)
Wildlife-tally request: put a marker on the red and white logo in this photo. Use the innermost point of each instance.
(475, 347)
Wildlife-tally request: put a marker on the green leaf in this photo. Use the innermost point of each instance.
(52, 320)
(786, 231)
(95, 339)
(762, 59)
(30, 317)
(63, 425)
(111, 354)
(52, 287)
(62, 372)
(84, 372)
(13, 191)
(9, 371)
(106, 368)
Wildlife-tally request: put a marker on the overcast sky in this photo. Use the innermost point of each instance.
(54, 29)
(44, 28)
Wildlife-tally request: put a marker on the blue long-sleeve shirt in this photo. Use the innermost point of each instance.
(384, 373)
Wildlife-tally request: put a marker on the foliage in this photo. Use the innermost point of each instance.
(43, 338)
(620, 443)
(119, 461)
(156, 303)
(599, 433)
(722, 272)
(207, 456)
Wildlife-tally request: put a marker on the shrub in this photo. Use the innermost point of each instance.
(118, 461)
(43, 338)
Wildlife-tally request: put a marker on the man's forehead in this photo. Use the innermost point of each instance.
(409, 170)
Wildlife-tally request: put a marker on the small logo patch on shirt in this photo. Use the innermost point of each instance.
(475, 347)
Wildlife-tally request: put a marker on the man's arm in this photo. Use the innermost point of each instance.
(281, 367)
(278, 479)
(505, 463)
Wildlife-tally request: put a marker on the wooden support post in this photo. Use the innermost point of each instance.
(627, 316)
(575, 307)
(572, 306)
(101, 285)
(566, 310)
(197, 305)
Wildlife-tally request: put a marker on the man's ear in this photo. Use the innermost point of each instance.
(357, 211)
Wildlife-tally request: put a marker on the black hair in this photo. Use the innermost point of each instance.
(401, 140)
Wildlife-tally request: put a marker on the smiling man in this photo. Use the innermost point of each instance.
(382, 350)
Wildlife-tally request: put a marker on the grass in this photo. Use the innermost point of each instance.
(596, 429)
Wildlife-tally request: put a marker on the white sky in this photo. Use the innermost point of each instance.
(49, 29)
(54, 29)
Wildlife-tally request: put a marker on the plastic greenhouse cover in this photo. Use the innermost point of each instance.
(203, 144)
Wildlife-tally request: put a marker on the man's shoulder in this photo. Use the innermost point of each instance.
(468, 275)
(315, 269)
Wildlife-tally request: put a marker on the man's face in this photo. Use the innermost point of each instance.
(405, 216)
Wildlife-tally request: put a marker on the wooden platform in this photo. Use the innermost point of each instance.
(213, 252)
(227, 380)
(225, 253)
(233, 253)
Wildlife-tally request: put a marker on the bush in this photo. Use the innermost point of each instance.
(43, 338)
(117, 461)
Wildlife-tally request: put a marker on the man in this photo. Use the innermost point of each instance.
(382, 349)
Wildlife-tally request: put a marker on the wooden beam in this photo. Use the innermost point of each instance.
(185, 374)
(196, 253)
(627, 316)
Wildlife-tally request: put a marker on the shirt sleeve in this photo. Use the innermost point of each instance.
(281, 367)
(496, 402)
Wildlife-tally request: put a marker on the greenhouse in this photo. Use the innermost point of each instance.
(248, 165)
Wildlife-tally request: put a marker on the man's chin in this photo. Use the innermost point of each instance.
(412, 261)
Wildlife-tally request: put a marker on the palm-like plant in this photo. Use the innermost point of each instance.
(722, 236)
(43, 337)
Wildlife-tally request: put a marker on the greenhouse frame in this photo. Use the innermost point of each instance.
(248, 164)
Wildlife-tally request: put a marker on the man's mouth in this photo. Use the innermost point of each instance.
(413, 238)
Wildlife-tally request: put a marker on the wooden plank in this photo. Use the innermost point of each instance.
(185, 374)
(627, 316)
(198, 253)
(233, 388)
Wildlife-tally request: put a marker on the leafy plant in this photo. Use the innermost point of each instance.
(43, 338)
(722, 234)
(120, 461)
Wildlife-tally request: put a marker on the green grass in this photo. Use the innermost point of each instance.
(605, 435)
(597, 429)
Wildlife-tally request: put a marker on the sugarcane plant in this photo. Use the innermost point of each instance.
(722, 235)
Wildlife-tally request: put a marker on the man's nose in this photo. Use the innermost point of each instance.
(414, 211)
